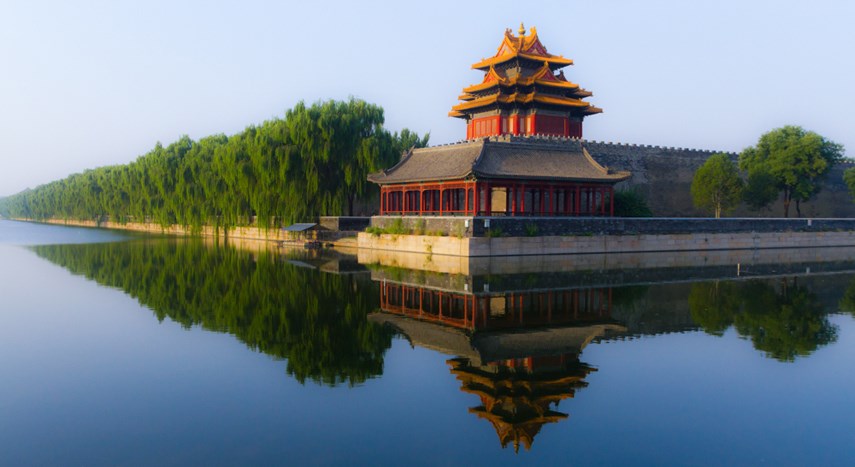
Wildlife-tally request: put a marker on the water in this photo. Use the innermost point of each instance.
(129, 350)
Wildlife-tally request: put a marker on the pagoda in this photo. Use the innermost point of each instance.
(521, 93)
(523, 155)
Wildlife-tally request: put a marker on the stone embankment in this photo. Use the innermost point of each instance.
(514, 236)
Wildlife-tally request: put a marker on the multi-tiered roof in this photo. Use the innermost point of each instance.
(523, 153)
(522, 94)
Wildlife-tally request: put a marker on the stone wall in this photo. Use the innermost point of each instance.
(455, 226)
(664, 175)
(562, 245)
(465, 227)
(344, 223)
(582, 226)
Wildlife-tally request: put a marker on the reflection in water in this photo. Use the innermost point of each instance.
(517, 350)
(316, 321)
(782, 319)
(517, 394)
(513, 340)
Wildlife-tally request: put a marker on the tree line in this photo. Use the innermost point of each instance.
(788, 163)
(316, 321)
(312, 162)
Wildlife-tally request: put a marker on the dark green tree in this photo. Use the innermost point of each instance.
(796, 159)
(716, 186)
(849, 180)
(760, 190)
(630, 203)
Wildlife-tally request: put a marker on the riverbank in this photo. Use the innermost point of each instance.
(469, 237)
(272, 237)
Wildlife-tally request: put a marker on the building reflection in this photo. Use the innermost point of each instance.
(517, 350)
(517, 395)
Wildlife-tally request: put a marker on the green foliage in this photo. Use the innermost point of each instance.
(761, 189)
(374, 230)
(784, 322)
(716, 185)
(316, 321)
(848, 179)
(796, 159)
(419, 227)
(847, 302)
(630, 203)
(313, 162)
(396, 227)
(494, 232)
(531, 230)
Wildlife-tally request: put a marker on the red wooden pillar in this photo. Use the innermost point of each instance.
(522, 198)
(567, 204)
(476, 198)
(551, 200)
(590, 210)
(466, 198)
(512, 193)
(382, 199)
(611, 203)
(603, 201)
(592, 197)
(441, 200)
(578, 199)
(488, 199)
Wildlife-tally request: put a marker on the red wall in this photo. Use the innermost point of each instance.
(486, 126)
(543, 125)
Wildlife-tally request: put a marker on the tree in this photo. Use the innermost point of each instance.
(630, 203)
(716, 185)
(760, 191)
(796, 160)
(338, 145)
(314, 162)
(849, 180)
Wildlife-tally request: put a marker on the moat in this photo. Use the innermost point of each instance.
(133, 349)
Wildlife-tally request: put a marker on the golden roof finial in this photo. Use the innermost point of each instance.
(522, 29)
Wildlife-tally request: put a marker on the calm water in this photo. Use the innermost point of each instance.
(143, 351)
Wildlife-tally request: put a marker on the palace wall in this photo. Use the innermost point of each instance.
(664, 176)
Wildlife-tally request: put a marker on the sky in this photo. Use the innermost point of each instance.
(85, 84)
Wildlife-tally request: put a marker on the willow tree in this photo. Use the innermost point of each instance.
(794, 159)
(335, 145)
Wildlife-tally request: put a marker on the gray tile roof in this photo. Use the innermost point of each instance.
(530, 158)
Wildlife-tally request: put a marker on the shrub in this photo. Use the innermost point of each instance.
(531, 230)
(630, 203)
(494, 232)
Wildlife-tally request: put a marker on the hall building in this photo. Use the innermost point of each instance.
(523, 153)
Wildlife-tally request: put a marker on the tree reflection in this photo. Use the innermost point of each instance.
(314, 320)
(783, 321)
(847, 302)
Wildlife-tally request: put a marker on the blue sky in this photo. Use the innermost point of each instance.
(87, 84)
